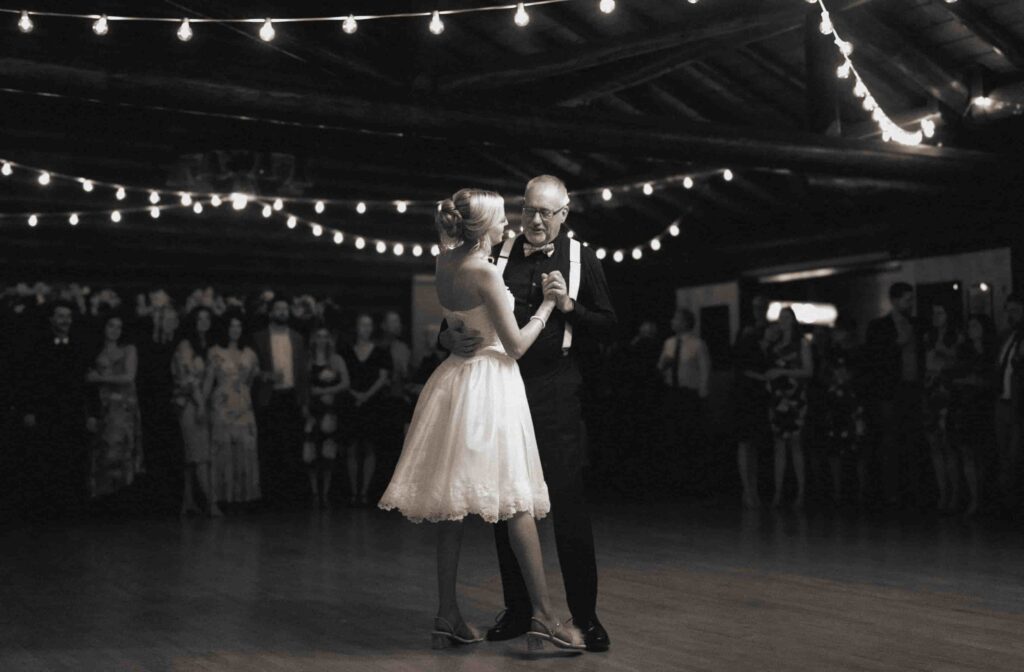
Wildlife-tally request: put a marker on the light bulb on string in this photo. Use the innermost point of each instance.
(186, 199)
(381, 247)
(349, 25)
(292, 221)
(859, 89)
(843, 71)
(826, 24)
(6, 170)
(692, 2)
(239, 201)
(154, 212)
(87, 186)
(197, 208)
(606, 194)
(278, 204)
(688, 182)
(267, 31)
(846, 48)
(360, 242)
(101, 27)
(398, 249)
(361, 207)
(601, 253)
(655, 244)
(25, 24)
(510, 234)
(637, 253)
(648, 189)
(607, 6)
(673, 230)
(522, 19)
(184, 31)
(154, 197)
(120, 194)
(73, 219)
(928, 128)
(33, 220)
(319, 207)
(267, 211)
(435, 250)
(339, 238)
(618, 256)
(727, 175)
(436, 24)
(215, 201)
(318, 230)
(417, 251)
(401, 206)
(115, 216)
(869, 103)
(44, 178)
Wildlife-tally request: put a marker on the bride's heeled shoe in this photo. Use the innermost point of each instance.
(444, 635)
(559, 635)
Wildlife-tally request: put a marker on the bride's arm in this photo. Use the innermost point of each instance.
(495, 297)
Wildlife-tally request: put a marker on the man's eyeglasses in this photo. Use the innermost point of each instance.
(545, 214)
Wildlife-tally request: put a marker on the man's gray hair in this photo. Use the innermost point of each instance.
(548, 181)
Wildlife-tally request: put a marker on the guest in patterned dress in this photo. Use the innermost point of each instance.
(941, 343)
(328, 379)
(787, 410)
(188, 369)
(116, 456)
(970, 408)
(844, 422)
(231, 369)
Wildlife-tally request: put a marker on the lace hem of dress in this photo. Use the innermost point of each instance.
(483, 502)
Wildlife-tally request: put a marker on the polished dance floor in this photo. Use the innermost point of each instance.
(683, 587)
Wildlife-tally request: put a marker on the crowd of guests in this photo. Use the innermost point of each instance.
(251, 399)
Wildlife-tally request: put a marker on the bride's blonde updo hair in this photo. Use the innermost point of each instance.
(466, 216)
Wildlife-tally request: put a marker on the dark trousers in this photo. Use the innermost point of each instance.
(555, 406)
(686, 450)
(280, 449)
(899, 423)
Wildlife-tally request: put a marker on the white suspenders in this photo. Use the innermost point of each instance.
(574, 277)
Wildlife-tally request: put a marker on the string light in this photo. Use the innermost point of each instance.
(101, 27)
(601, 253)
(381, 247)
(292, 221)
(154, 197)
(436, 24)
(435, 250)
(186, 199)
(73, 219)
(618, 256)
(25, 24)
(154, 212)
(339, 238)
(522, 19)
(87, 186)
(120, 194)
(648, 189)
(417, 250)
(33, 220)
(44, 178)
(637, 253)
(688, 182)
(360, 243)
(267, 211)
(928, 128)
(184, 31)
(239, 201)
(215, 201)
(655, 244)
(197, 208)
(267, 32)
(727, 175)
(318, 230)
(115, 216)
(401, 207)
(6, 169)
(361, 208)
(673, 230)
(349, 25)
(607, 6)
(278, 204)
(319, 207)
(398, 249)
(606, 194)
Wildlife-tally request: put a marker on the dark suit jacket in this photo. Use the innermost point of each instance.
(883, 358)
(263, 389)
(53, 385)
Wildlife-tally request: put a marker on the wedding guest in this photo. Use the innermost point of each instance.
(435, 354)
(1010, 398)
(188, 370)
(845, 416)
(792, 367)
(940, 345)
(369, 370)
(281, 393)
(750, 404)
(53, 408)
(116, 456)
(199, 329)
(231, 370)
(325, 422)
(893, 350)
(401, 355)
(970, 413)
(158, 336)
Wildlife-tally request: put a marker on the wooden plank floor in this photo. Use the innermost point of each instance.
(683, 587)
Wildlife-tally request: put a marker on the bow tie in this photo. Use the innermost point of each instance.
(547, 249)
(59, 340)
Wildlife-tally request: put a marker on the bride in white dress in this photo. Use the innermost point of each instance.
(471, 448)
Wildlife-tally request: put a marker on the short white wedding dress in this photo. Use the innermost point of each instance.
(471, 448)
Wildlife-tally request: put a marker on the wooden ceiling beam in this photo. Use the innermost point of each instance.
(978, 22)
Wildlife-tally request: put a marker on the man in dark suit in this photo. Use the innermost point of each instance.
(1009, 397)
(541, 259)
(53, 408)
(281, 392)
(894, 354)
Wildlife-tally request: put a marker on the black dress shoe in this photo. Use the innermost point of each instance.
(507, 626)
(594, 634)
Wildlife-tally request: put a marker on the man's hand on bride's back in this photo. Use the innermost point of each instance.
(461, 341)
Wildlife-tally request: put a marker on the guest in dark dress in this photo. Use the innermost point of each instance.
(940, 346)
(369, 370)
(750, 405)
(792, 367)
(970, 409)
(326, 413)
(428, 364)
(844, 421)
